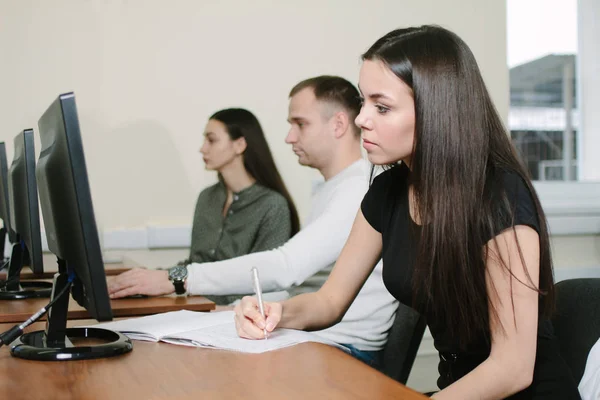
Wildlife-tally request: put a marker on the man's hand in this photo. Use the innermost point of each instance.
(140, 281)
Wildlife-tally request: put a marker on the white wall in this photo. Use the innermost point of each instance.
(147, 74)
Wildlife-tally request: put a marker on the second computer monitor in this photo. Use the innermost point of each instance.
(6, 231)
(23, 201)
(23, 221)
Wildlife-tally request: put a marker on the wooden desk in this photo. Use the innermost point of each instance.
(126, 259)
(164, 371)
(51, 267)
(110, 269)
(19, 310)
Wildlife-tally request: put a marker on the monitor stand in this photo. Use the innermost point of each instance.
(13, 288)
(55, 343)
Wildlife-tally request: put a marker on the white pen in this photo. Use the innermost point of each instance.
(258, 292)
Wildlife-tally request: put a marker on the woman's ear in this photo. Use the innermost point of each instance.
(239, 145)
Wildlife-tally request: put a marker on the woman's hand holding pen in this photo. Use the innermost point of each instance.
(249, 322)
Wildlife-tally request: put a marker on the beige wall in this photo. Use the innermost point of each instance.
(576, 251)
(147, 74)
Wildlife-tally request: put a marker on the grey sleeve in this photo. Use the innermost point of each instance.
(275, 228)
(201, 204)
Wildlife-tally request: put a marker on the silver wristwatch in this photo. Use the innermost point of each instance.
(178, 275)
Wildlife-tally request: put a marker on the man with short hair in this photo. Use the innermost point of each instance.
(323, 136)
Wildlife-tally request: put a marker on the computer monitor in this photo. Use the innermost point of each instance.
(25, 222)
(68, 214)
(6, 233)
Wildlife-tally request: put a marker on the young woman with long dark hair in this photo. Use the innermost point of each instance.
(456, 220)
(250, 208)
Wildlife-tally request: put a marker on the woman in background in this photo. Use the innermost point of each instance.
(248, 210)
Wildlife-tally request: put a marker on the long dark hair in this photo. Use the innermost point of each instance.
(461, 148)
(258, 159)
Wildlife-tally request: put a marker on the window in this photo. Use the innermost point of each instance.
(554, 94)
(542, 51)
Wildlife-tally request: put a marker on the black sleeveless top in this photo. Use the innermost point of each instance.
(386, 208)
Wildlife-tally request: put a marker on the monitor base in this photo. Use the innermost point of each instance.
(33, 346)
(28, 290)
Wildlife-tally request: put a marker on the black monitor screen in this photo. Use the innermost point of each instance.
(23, 201)
(66, 204)
(68, 214)
(4, 206)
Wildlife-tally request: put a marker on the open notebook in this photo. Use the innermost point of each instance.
(207, 329)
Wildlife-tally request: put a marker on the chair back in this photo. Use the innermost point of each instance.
(577, 321)
(403, 343)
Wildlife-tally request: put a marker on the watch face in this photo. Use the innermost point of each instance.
(178, 273)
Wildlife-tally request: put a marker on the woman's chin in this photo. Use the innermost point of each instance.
(377, 160)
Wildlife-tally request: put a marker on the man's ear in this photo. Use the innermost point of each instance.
(341, 123)
(239, 145)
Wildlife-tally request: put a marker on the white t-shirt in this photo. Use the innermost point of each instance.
(303, 263)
